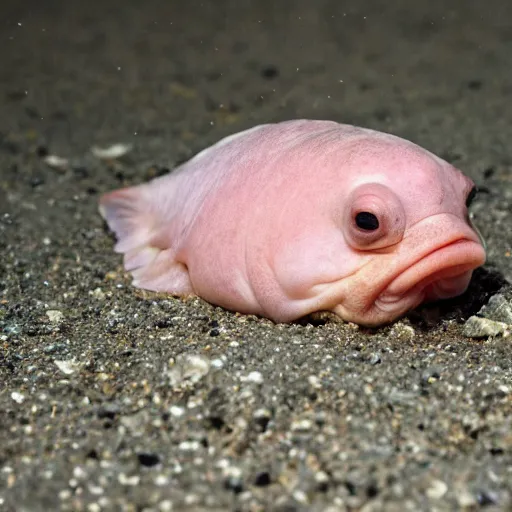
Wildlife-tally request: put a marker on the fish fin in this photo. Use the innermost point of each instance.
(128, 214)
(141, 237)
(164, 274)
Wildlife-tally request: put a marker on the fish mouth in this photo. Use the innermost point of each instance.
(435, 260)
(443, 273)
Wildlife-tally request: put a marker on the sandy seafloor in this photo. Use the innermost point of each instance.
(115, 399)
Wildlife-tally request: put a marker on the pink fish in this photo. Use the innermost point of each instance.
(287, 219)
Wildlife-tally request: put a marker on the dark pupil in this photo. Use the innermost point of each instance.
(367, 221)
(471, 196)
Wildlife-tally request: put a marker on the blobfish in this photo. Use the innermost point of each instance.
(287, 219)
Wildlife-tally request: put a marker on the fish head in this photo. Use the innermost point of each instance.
(390, 232)
(407, 219)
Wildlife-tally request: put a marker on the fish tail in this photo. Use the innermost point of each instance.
(127, 212)
(142, 236)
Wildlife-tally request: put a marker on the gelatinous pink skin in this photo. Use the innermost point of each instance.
(263, 222)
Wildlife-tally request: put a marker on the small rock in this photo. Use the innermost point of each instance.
(233, 479)
(56, 162)
(476, 327)
(262, 479)
(254, 377)
(431, 374)
(98, 293)
(148, 459)
(17, 397)
(300, 496)
(161, 480)
(262, 418)
(322, 480)
(135, 422)
(466, 500)
(314, 382)
(54, 347)
(436, 490)
(188, 370)
(176, 411)
(109, 410)
(165, 506)
(304, 425)
(402, 331)
(189, 446)
(498, 309)
(12, 329)
(217, 363)
(55, 316)
(111, 152)
(68, 367)
(486, 498)
(128, 480)
(374, 358)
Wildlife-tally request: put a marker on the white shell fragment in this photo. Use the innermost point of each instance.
(111, 152)
(56, 162)
(17, 397)
(68, 367)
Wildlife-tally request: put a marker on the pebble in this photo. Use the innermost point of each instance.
(477, 327)
(188, 370)
(161, 480)
(68, 367)
(436, 490)
(402, 331)
(189, 446)
(218, 363)
(300, 496)
(111, 152)
(176, 411)
(65, 494)
(466, 500)
(374, 358)
(254, 377)
(135, 421)
(302, 425)
(11, 329)
(98, 293)
(128, 480)
(17, 397)
(431, 374)
(314, 382)
(234, 479)
(79, 472)
(148, 459)
(499, 309)
(55, 316)
(262, 417)
(321, 477)
(56, 162)
(165, 506)
(95, 490)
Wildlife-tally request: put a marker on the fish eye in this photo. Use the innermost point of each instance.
(373, 217)
(367, 221)
(471, 196)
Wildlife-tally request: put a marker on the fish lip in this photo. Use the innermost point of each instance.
(429, 276)
(393, 282)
